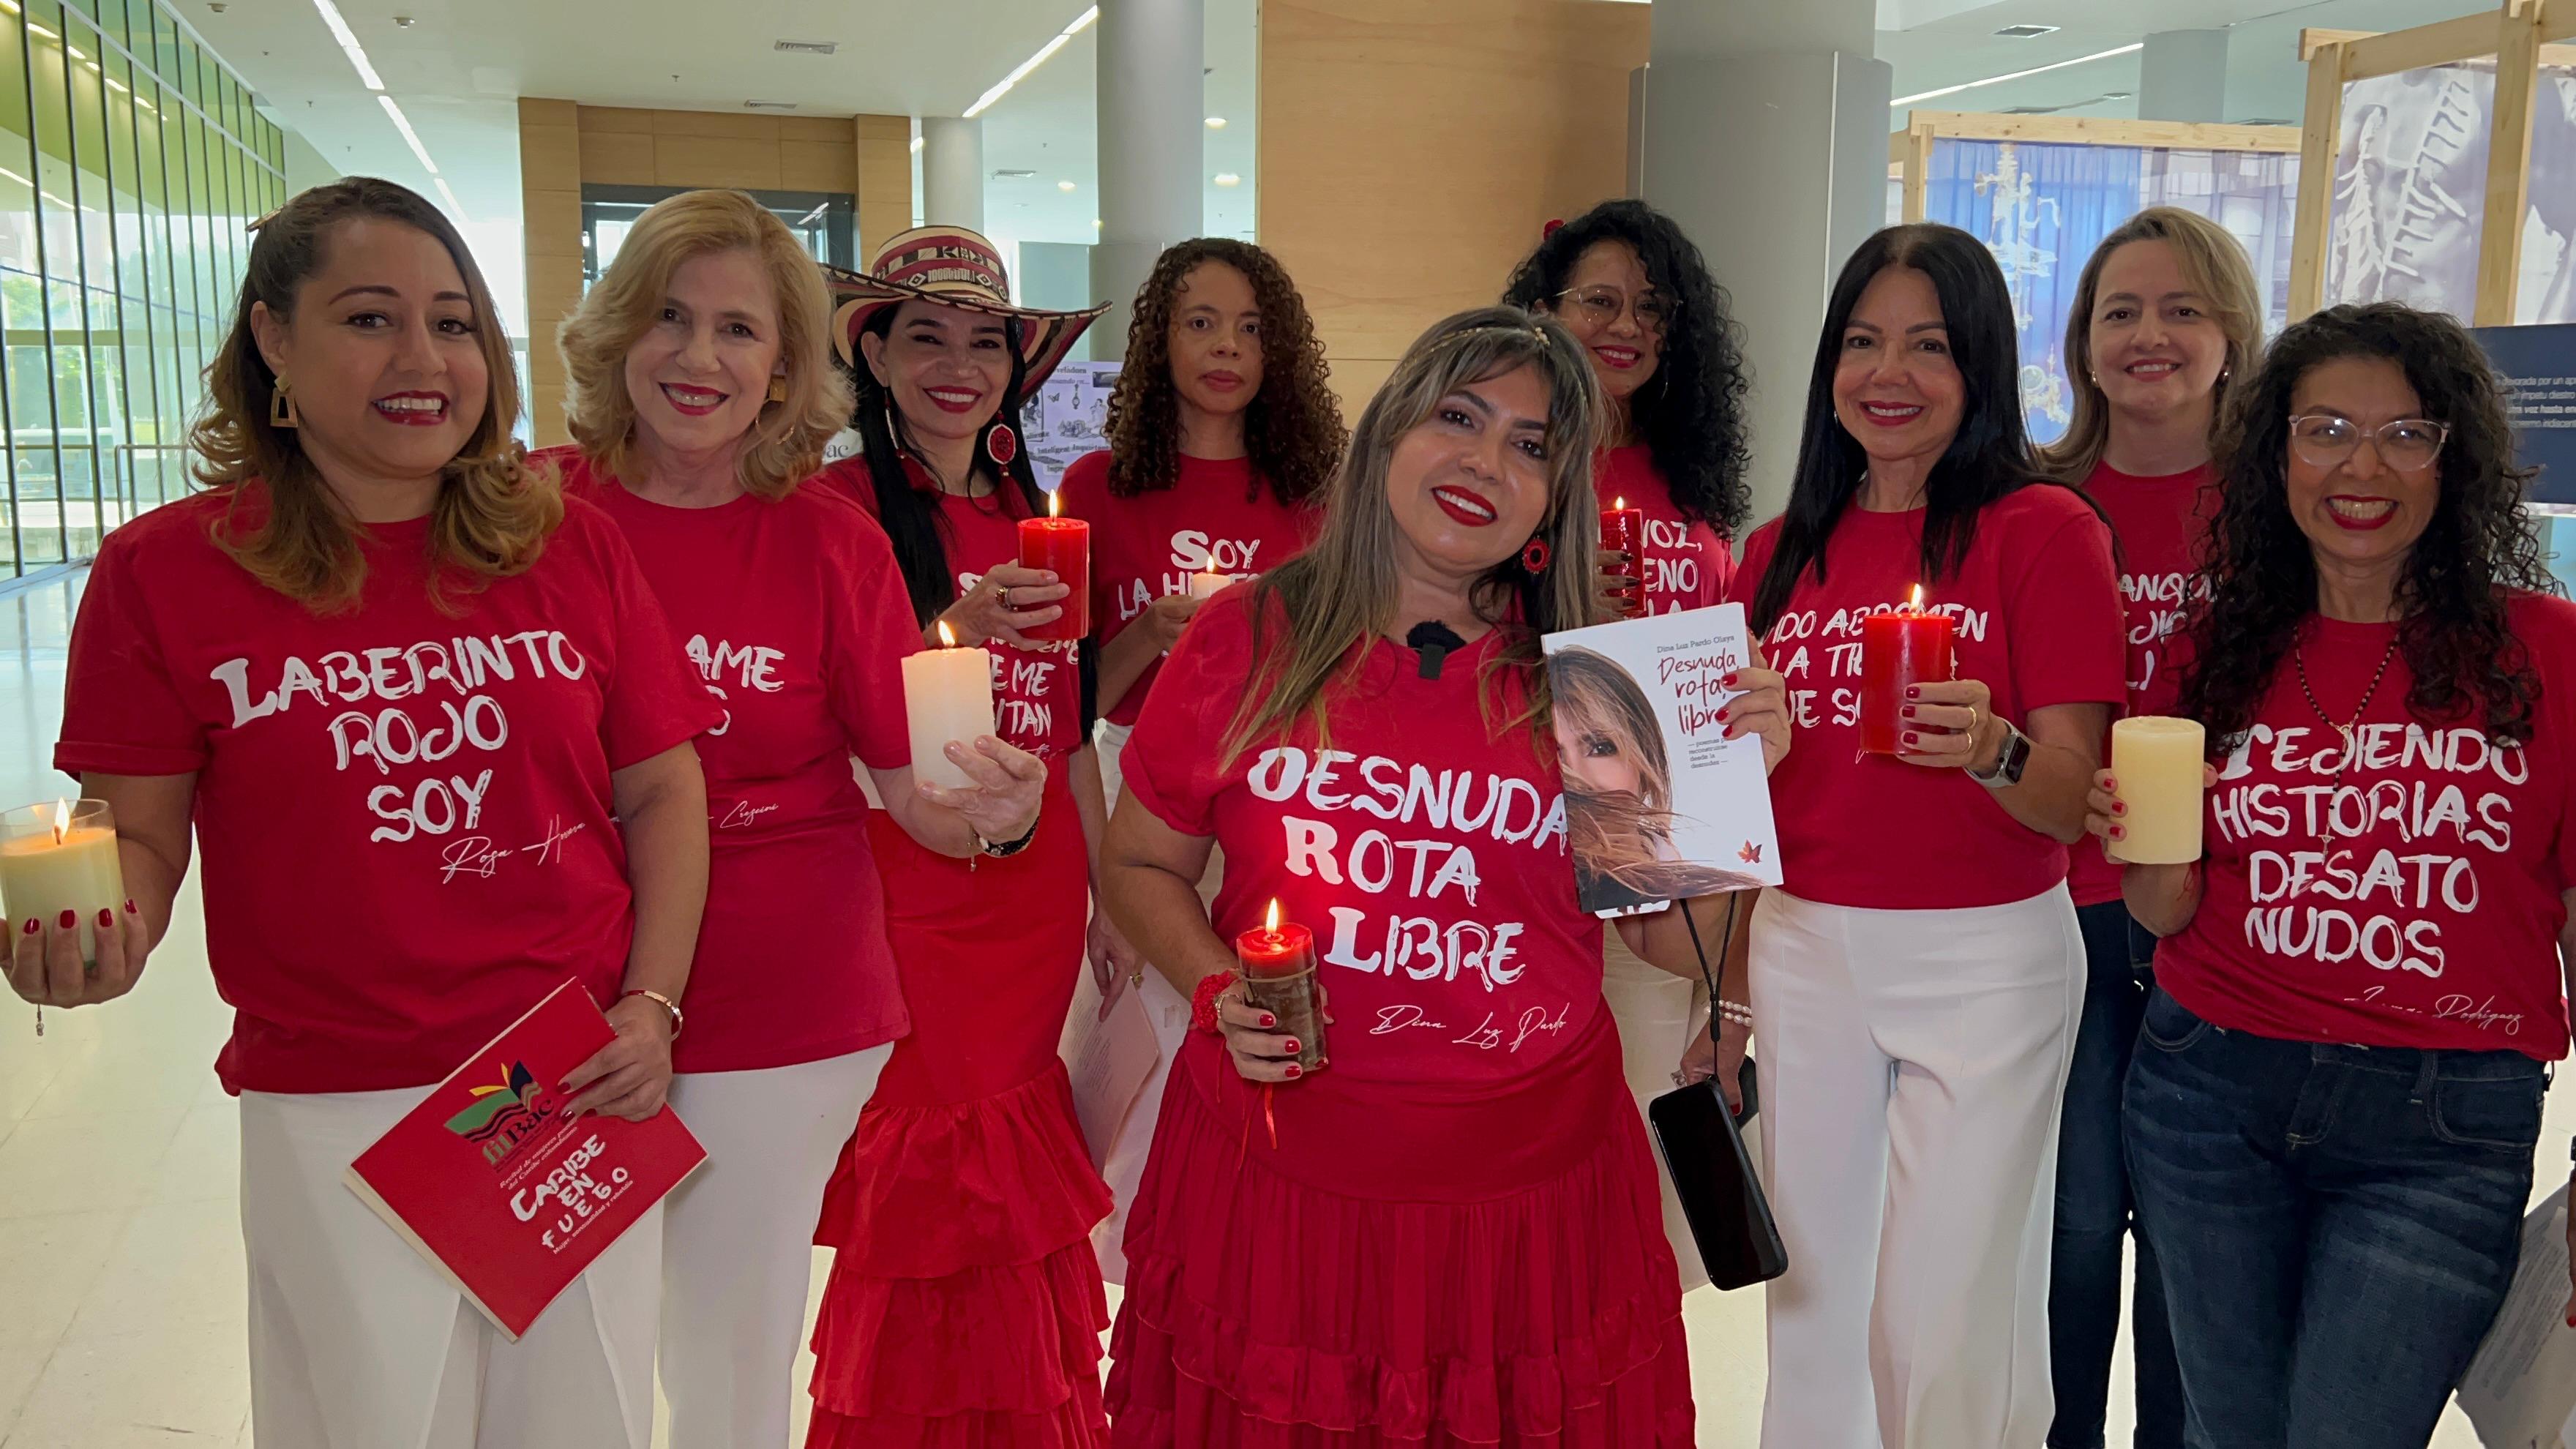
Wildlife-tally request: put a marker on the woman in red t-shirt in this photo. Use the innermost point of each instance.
(1915, 981)
(1447, 1234)
(2337, 1089)
(1634, 290)
(2166, 315)
(964, 1304)
(432, 735)
(702, 390)
(1222, 435)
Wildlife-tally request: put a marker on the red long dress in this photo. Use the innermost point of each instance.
(965, 1307)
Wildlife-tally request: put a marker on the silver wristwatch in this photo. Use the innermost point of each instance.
(2010, 761)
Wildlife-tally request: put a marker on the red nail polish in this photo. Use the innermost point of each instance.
(2119, 807)
(34, 925)
(1292, 1044)
(106, 920)
(70, 919)
(1913, 692)
(1723, 715)
(1906, 713)
(1268, 1020)
(1912, 739)
(1295, 1071)
(1727, 679)
(130, 909)
(2119, 832)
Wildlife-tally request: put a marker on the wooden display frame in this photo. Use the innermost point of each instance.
(2522, 36)
(1909, 152)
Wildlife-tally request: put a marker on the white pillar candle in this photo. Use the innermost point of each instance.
(57, 858)
(1205, 586)
(947, 695)
(2156, 761)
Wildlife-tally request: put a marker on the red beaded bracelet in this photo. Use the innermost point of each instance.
(1203, 1000)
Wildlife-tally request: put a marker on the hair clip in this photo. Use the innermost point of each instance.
(265, 220)
(1551, 228)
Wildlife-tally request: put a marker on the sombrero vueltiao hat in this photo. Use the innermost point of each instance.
(955, 267)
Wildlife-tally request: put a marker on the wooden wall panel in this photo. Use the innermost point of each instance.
(884, 154)
(1411, 150)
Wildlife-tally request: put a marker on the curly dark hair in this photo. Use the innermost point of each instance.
(1293, 429)
(1692, 414)
(2452, 596)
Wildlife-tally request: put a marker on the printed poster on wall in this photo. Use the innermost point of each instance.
(1659, 805)
(2537, 368)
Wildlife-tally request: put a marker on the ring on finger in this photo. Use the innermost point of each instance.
(1004, 594)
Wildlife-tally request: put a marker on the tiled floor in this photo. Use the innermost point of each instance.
(121, 1292)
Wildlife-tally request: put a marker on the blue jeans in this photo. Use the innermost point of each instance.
(2337, 1223)
(2092, 1224)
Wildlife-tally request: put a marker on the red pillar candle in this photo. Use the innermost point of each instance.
(1624, 529)
(1278, 970)
(1061, 546)
(1898, 650)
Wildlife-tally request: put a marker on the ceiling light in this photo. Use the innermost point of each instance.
(1064, 186)
(410, 137)
(1032, 63)
(1228, 178)
(76, 52)
(1095, 223)
(917, 143)
(40, 30)
(1014, 174)
(448, 196)
(350, 47)
(2018, 74)
(403, 22)
(1216, 123)
(2118, 95)
(14, 176)
(806, 47)
(2026, 32)
(9, 5)
(769, 105)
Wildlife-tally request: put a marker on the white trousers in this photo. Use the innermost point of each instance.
(1658, 1015)
(356, 1342)
(738, 1240)
(1124, 1169)
(1912, 1066)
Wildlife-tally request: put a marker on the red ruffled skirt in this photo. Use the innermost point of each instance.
(1489, 1269)
(965, 1307)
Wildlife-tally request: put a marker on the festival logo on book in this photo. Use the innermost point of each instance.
(503, 1115)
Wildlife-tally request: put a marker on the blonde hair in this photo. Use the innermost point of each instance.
(2213, 263)
(1621, 836)
(784, 446)
(1341, 592)
(493, 514)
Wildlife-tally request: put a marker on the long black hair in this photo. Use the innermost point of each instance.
(1990, 456)
(1692, 413)
(2475, 551)
(910, 517)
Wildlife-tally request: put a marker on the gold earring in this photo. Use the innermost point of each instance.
(281, 407)
(778, 389)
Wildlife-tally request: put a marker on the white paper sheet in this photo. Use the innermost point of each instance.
(2520, 1390)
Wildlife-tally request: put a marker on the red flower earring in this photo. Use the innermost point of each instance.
(1535, 557)
(1001, 445)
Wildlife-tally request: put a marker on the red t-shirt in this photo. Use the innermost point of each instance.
(1037, 693)
(2039, 623)
(1688, 565)
(2412, 900)
(2158, 523)
(1218, 518)
(793, 614)
(1426, 854)
(405, 815)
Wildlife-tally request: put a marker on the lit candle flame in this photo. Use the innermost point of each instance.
(1271, 923)
(1055, 504)
(948, 637)
(62, 820)
(1618, 502)
(1917, 605)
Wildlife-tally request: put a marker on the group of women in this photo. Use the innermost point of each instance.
(631, 712)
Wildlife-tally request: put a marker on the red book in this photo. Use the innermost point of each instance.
(498, 1189)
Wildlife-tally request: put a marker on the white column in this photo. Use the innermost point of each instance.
(952, 172)
(1152, 144)
(2182, 76)
(1766, 138)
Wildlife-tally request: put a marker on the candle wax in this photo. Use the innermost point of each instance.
(1624, 529)
(1207, 586)
(1898, 650)
(2157, 762)
(41, 878)
(1061, 546)
(1278, 970)
(947, 695)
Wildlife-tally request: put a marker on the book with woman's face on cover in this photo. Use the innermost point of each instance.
(1660, 805)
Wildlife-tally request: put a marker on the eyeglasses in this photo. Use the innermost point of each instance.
(2408, 445)
(1601, 306)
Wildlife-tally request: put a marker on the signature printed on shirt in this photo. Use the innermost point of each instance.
(2454, 1007)
(1486, 1035)
(475, 855)
(743, 815)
